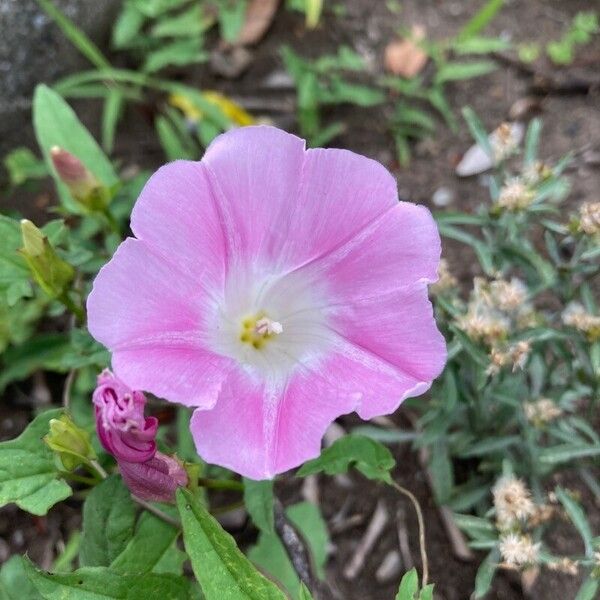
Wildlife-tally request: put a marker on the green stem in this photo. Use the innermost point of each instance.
(79, 478)
(72, 307)
(221, 484)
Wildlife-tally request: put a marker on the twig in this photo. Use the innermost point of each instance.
(297, 551)
(421, 523)
(374, 530)
(157, 512)
(66, 397)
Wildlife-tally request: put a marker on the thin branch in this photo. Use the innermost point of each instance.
(421, 523)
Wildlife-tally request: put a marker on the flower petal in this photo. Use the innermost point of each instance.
(341, 194)
(176, 215)
(190, 376)
(400, 249)
(259, 432)
(139, 296)
(396, 330)
(255, 174)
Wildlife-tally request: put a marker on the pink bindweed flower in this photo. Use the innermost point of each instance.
(122, 428)
(273, 288)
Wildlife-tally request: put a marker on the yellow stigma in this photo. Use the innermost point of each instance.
(257, 330)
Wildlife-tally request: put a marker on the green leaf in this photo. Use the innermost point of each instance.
(108, 523)
(579, 520)
(44, 351)
(14, 583)
(223, 572)
(180, 53)
(231, 19)
(28, 474)
(481, 19)
(152, 541)
(270, 555)
(480, 45)
(170, 141)
(369, 457)
(490, 446)
(458, 71)
(113, 105)
(304, 593)
(477, 130)
(75, 35)
(128, 25)
(486, 572)
(56, 124)
(191, 22)
(22, 165)
(409, 586)
(566, 452)
(258, 498)
(532, 141)
(441, 471)
(589, 589)
(427, 592)
(99, 583)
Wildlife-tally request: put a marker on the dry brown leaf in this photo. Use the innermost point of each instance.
(405, 57)
(259, 16)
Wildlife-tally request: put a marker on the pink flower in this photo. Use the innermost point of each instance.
(273, 288)
(122, 428)
(125, 433)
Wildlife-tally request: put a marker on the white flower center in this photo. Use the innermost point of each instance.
(271, 324)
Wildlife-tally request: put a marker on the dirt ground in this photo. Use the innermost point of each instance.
(571, 123)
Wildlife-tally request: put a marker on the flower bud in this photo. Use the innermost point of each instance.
(155, 480)
(85, 188)
(50, 271)
(70, 442)
(122, 428)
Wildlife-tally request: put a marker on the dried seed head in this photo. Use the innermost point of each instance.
(518, 550)
(589, 214)
(542, 411)
(515, 195)
(512, 501)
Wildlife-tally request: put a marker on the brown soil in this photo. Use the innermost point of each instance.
(571, 123)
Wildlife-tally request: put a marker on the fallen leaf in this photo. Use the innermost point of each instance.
(259, 16)
(236, 113)
(405, 57)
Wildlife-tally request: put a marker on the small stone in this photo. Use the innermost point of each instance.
(230, 64)
(442, 197)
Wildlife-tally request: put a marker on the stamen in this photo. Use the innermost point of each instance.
(266, 326)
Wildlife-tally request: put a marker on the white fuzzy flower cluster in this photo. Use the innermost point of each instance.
(542, 411)
(512, 501)
(495, 309)
(515, 355)
(515, 195)
(589, 218)
(505, 140)
(518, 550)
(575, 315)
(446, 280)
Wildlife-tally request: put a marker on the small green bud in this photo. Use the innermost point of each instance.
(50, 271)
(70, 442)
